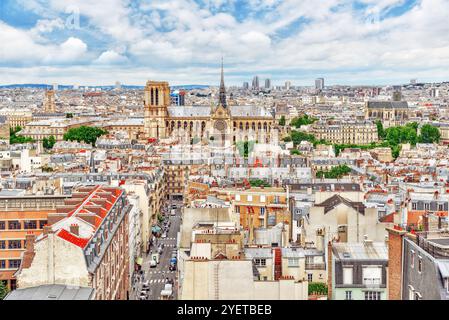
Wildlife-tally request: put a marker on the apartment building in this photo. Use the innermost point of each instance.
(357, 270)
(85, 245)
(419, 264)
(19, 215)
(262, 208)
(346, 132)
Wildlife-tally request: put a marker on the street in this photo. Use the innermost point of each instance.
(156, 277)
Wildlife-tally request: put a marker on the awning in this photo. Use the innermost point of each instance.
(139, 261)
(156, 229)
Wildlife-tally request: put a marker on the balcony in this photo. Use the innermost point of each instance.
(315, 266)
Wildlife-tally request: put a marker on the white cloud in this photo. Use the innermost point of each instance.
(111, 57)
(167, 36)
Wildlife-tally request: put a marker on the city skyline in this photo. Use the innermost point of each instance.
(346, 42)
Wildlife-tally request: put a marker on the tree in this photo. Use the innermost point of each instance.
(259, 183)
(14, 138)
(317, 288)
(380, 129)
(85, 134)
(295, 152)
(49, 143)
(303, 120)
(429, 134)
(335, 173)
(3, 290)
(282, 121)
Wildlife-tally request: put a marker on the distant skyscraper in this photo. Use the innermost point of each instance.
(55, 87)
(434, 93)
(267, 84)
(178, 98)
(245, 85)
(319, 84)
(397, 93)
(255, 83)
(287, 85)
(118, 85)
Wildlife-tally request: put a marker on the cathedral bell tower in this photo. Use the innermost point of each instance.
(156, 102)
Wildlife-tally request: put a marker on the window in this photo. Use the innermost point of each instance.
(414, 206)
(42, 223)
(15, 244)
(249, 198)
(293, 262)
(419, 264)
(440, 207)
(411, 293)
(237, 197)
(2, 244)
(347, 275)
(14, 264)
(372, 275)
(348, 295)
(2, 225)
(372, 295)
(2, 264)
(237, 209)
(310, 277)
(426, 206)
(262, 211)
(260, 262)
(263, 198)
(412, 258)
(14, 225)
(276, 200)
(30, 224)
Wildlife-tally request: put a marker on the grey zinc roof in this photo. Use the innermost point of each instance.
(205, 111)
(387, 104)
(443, 265)
(189, 111)
(249, 111)
(252, 253)
(360, 251)
(52, 292)
(293, 252)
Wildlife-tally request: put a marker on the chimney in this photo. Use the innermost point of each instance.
(29, 253)
(75, 229)
(47, 229)
(395, 257)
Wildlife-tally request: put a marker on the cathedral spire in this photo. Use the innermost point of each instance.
(222, 88)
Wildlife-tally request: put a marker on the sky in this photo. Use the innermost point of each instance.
(80, 42)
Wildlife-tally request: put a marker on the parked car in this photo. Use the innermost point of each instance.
(153, 263)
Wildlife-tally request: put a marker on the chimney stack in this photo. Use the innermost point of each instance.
(47, 229)
(75, 229)
(29, 253)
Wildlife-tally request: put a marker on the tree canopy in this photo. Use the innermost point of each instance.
(14, 138)
(429, 134)
(303, 120)
(335, 173)
(282, 121)
(85, 134)
(3, 290)
(49, 143)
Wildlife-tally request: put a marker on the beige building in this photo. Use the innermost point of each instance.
(17, 118)
(218, 279)
(85, 244)
(342, 219)
(40, 129)
(347, 132)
